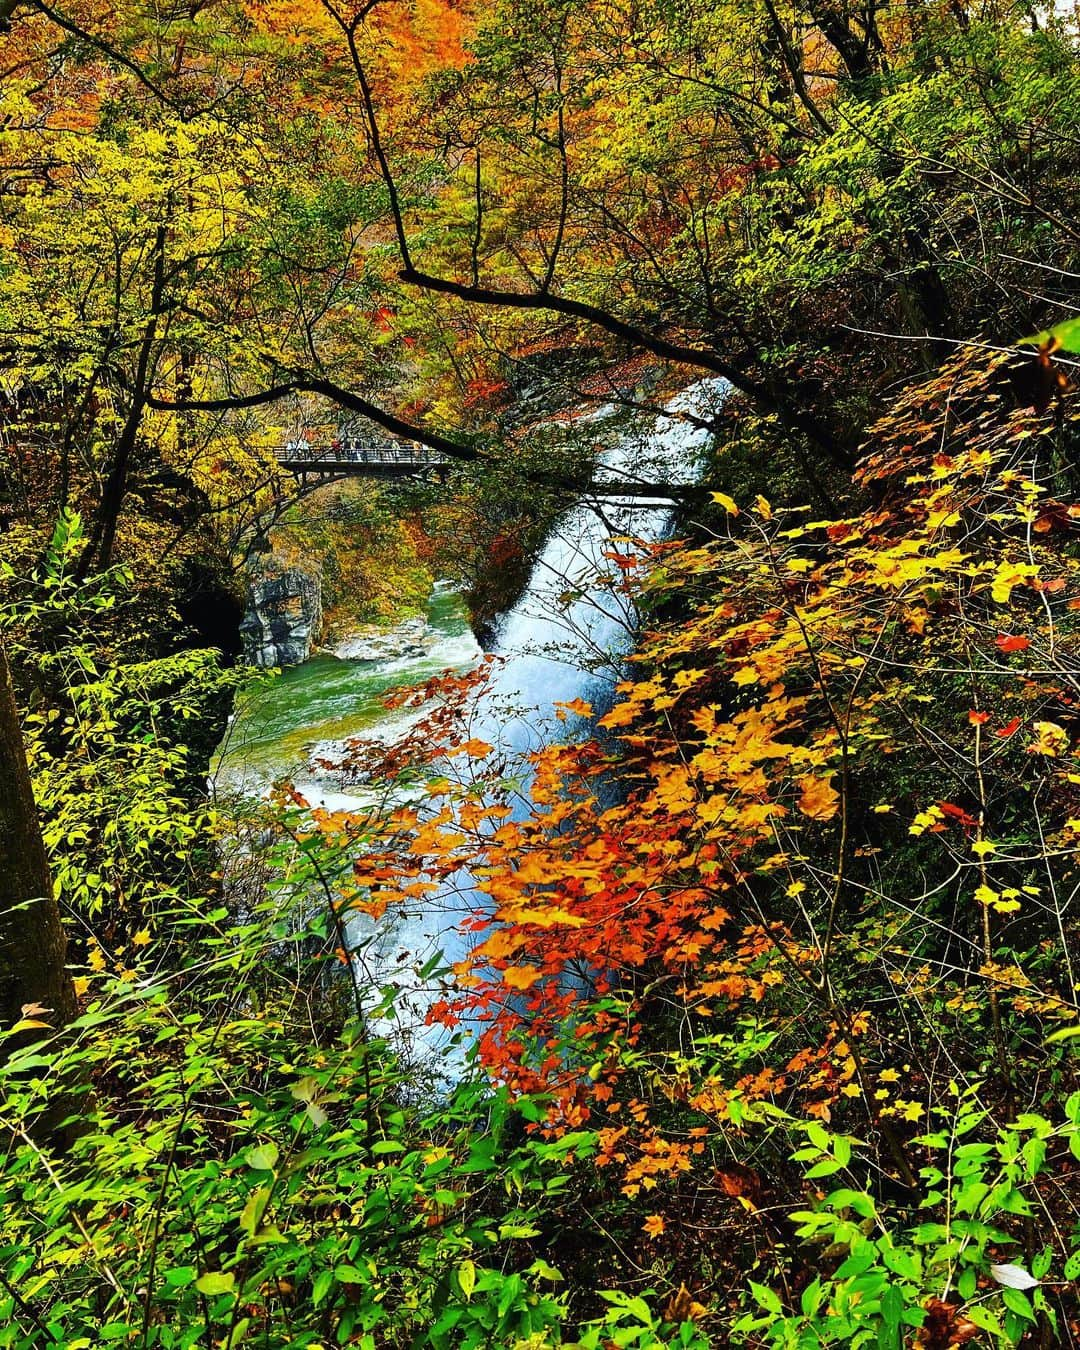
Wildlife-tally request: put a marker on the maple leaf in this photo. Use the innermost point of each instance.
(1006, 643)
(503, 942)
(577, 706)
(1051, 740)
(474, 748)
(818, 799)
(653, 1225)
(520, 977)
(681, 1307)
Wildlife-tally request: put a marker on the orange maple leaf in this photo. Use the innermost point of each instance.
(818, 799)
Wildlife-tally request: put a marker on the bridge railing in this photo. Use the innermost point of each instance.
(345, 453)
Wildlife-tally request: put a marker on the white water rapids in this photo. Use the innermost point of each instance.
(565, 639)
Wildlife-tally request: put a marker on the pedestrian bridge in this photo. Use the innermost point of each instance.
(313, 465)
(350, 459)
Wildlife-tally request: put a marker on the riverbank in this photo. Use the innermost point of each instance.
(289, 720)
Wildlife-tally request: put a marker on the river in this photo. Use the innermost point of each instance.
(565, 639)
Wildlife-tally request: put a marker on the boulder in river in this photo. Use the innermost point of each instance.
(407, 640)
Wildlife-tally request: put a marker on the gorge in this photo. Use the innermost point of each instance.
(564, 642)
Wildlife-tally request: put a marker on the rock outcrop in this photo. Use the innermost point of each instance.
(283, 618)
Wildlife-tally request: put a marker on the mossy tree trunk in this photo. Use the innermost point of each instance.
(32, 942)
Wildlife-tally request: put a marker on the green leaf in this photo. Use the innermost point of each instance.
(321, 1286)
(892, 1309)
(1018, 1303)
(766, 1298)
(215, 1282)
(1072, 1267)
(253, 1211)
(861, 1259)
(181, 1276)
(811, 1298)
(541, 1268)
(1065, 1034)
(1065, 336)
(263, 1157)
(466, 1274)
(824, 1169)
(238, 1333)
(902, 1262)
(984, 1319)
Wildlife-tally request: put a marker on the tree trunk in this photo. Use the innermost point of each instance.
(32, 942)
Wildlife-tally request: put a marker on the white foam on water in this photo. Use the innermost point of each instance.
(566, 638)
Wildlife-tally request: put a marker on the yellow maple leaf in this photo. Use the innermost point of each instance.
(818, 799)
(475, 748)
(577, 706)
(728, 503)
(502, 943)
(520, 977)
(1051, 740)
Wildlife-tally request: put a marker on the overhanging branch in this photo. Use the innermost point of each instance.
(344, 398)
(629, 487)
(797, 419)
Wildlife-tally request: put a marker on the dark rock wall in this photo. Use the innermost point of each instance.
(283, 618)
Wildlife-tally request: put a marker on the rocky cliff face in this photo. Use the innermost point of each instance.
(283, 617)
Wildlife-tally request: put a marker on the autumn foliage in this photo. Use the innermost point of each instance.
(845, 824)
(763, 1030)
